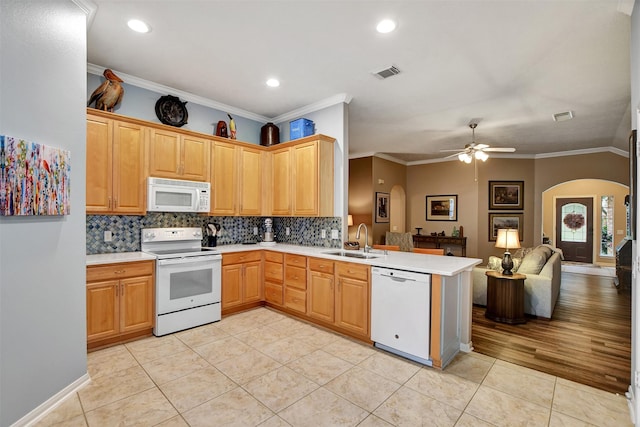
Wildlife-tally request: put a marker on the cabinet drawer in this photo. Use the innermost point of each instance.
(240, 257)
(273, 256)
(295, 299)
(273, 271)
(355, 271)
(296, 277)
(318, 264)
(295, 260)
(119, 271)
(273, 293)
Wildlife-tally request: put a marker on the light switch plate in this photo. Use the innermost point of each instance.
(108, 237)
(255, 231)
(335, 235)
(287, 231)
(323, 233)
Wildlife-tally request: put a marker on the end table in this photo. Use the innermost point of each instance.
(505, 297)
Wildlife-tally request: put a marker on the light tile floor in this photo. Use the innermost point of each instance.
(264, 368)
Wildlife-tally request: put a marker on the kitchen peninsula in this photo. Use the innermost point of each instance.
(299, 280)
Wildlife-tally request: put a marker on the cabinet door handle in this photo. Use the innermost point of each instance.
(109, 202)
(122, 289)
(115, 203)
(117, 290)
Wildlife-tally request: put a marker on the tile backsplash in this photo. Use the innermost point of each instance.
(126, 230)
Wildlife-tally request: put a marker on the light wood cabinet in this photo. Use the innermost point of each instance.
(295, 282)
(236, 179)
(273, 278)
(281, 182)
(241, 279)
(180, 156)
(120, 302)
(302, 178)
(321, 293)
(115, 164)
(353, 297)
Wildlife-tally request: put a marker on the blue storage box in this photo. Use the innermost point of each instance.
(300, 128)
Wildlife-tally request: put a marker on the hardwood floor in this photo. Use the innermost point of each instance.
(588, 339)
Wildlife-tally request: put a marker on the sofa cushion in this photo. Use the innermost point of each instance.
(533, 262)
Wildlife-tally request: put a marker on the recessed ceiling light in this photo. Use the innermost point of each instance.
(138, 26)
(273, 83)
(386, 26)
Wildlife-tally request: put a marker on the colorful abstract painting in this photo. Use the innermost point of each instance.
(34, 178)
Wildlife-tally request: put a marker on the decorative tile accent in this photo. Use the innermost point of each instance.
(126, 229)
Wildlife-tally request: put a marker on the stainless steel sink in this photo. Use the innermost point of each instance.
(349, 254)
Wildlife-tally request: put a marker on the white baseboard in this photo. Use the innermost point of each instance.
(466, 347)
(52, 403)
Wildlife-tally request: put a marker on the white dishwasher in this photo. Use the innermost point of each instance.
(401, 312)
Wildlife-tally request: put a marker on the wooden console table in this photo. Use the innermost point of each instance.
(427, 241)
(505, 297)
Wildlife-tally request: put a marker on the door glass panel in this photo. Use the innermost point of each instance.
(606, 239)
(574, 223)
(191, 283)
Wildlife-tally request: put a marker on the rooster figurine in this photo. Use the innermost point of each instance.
(109, 93)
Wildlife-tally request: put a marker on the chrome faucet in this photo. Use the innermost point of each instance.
(367, 248)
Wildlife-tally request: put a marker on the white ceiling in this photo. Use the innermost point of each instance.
(510, 64)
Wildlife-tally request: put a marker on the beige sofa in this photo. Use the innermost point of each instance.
(543, 269)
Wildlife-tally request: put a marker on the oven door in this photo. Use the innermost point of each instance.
(188, 282)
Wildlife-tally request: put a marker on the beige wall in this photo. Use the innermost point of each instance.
(588, 188)
(386, 175)
(456, 178)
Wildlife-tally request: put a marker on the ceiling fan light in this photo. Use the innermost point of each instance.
(464, 157)
(481, 155)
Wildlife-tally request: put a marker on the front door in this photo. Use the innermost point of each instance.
(574, 228)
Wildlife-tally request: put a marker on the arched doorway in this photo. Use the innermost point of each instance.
(586, 188)
(398, 209)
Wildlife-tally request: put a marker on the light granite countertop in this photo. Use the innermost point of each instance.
(422, 263)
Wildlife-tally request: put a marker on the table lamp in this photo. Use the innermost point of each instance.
(507, 238)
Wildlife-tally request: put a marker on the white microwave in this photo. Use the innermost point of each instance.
(177, 195)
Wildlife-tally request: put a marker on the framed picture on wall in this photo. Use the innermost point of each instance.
(505, 220)
(382, 207)
(506, 195)
(442, 208)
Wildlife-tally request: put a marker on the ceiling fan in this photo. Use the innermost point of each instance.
(476, 151)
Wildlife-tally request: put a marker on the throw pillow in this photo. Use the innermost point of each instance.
(495, 263)
(545, 250)
(521, 253)
(533, 262)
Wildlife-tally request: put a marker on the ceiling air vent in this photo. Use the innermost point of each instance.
(387, 72)
(563, 117)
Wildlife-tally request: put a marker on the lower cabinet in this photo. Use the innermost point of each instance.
(273, 278)
(339, 294)
(353, 297)
(120, 302)
(295, 282)
(241, 279)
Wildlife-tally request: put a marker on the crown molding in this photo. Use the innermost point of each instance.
(185, 96)
(612, 150)
(625, 6)
(89, 8)
(341, 98)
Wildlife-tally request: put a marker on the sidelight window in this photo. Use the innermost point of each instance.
(606, 228)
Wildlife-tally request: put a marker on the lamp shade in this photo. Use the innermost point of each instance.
(508, 238)
(349, 220)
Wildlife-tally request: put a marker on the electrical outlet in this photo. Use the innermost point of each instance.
(108, 237)
(255, 231)
(287, 231)
(335, 235)
(323, 233)
(619, 232)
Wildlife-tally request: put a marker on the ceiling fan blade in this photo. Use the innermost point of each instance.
(480, 146)
(458, 150)
(501, 149)
(450, 156)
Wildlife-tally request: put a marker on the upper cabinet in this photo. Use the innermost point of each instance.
(115, 167)
(302, 177)
(176, 155)
(236, 179)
